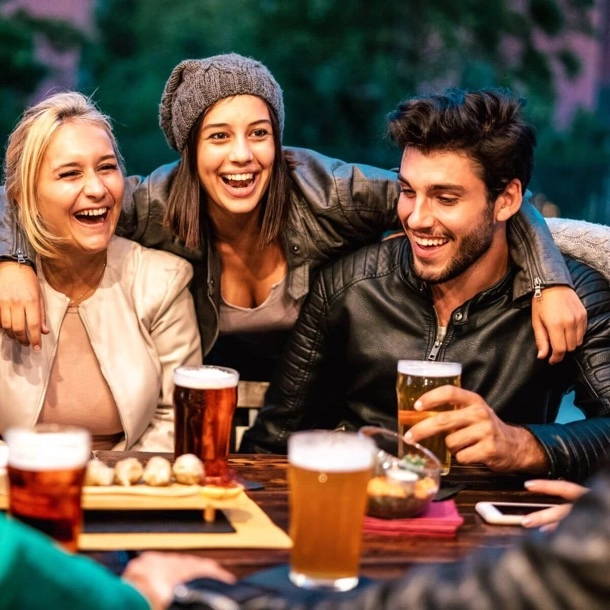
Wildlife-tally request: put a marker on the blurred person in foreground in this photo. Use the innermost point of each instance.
(445, 291)
(258, 219)
(120, 316)
(567, 568)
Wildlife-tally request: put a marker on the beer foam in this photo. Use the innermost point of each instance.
(205, 377)
(326, 451)
(429, 368)
(28, 450)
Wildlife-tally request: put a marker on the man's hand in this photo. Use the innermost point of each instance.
(559, 320)
(156, 574)
(549, 518)
(22, 310)
(475, 434)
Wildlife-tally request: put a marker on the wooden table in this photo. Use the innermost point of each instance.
(383, 556)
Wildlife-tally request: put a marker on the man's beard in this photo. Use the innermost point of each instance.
(473, 246)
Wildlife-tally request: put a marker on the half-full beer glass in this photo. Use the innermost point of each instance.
(328, 476)
(205, 398)
(46, 469)
(416, 377)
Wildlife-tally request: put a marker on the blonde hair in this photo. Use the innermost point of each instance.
(26, 147)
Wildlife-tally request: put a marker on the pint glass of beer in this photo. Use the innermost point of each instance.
(328, 476)
(416, 377)
(205, 398)
(46, 469)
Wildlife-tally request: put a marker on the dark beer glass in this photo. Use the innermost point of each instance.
(46, 469)
(205, 398)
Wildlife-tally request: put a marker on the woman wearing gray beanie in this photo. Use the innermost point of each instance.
(257, 219)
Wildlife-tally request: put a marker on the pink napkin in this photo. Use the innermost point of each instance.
(439, 519)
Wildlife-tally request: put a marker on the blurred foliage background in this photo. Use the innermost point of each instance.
(343, 65)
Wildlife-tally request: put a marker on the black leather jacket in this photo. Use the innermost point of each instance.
(336, 208)
(566, 570)
(367, 311)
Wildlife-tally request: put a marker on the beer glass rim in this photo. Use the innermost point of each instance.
(47, 429)
(429, 368)
(47, 446)
(316, 450)
(187, 376)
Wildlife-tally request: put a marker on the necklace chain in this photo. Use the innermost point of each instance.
(77, 300)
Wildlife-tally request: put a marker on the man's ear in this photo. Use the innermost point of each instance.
(509, 202)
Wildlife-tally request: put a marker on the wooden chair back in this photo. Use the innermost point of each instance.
(250, 398)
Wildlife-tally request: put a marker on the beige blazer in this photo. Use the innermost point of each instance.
(141, 324)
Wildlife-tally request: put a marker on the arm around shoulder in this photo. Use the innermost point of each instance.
(533, 249)
(360, 199)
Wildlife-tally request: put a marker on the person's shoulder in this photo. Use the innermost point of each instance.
(161, 177)
(574, 228)
(590, 284)
(301, 158)
(164, 171)
(585, 241)
(304, 162)
(369, 263)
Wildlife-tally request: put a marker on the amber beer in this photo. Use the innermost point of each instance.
(205, 398)
(328, 476)
(416, 377)
(46, 469)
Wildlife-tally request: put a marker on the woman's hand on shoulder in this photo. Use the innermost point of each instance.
(22, 310)
(559, 320)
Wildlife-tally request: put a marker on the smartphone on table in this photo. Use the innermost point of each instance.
(507, 513)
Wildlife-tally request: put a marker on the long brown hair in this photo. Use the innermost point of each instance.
(186, 211)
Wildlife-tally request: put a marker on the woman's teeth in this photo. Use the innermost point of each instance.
(93, 214)
(238, 180)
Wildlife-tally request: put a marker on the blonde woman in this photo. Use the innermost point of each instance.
(120, 316)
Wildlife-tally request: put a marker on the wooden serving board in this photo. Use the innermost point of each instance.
(142, 496)
(253, 528)
(172, 496)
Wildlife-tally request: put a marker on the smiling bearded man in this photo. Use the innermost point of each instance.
(445, 291)
(430, 242)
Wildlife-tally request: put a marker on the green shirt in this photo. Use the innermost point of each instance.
(35, 573)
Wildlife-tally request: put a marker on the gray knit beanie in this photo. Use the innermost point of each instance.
(196, 84)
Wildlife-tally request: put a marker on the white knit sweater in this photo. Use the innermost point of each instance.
(585, 241)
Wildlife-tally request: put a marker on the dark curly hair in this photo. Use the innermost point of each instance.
(486, 125)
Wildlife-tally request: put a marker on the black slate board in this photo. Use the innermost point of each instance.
(157, 521)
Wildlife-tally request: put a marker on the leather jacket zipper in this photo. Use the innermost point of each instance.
(20, 250)
(435, 350)
(438, 339)
(532, 270)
